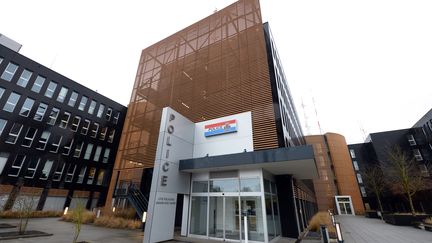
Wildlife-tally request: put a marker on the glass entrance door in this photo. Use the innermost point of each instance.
(345, 208)
(224, 218)
(344, 205)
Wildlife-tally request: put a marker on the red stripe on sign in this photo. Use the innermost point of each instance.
(219, 124)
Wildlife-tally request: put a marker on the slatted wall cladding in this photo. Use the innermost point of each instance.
(213, 68)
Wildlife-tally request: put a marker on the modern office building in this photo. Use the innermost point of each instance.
(212, 135)
(58, 139)
(336, 175)
(415, 143)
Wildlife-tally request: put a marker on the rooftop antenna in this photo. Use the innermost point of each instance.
(316, 114)
(362, 130)
(306, 118)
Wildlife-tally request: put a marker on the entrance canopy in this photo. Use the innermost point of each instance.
(297, 161)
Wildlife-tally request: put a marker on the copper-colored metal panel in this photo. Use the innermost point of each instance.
(213, 68)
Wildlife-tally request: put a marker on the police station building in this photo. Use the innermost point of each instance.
(223, 181)
(212, 136)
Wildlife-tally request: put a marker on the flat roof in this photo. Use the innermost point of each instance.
(297, 161)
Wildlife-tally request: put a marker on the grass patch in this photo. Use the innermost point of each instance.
(428, 220)
(321, 218)
(34, 214)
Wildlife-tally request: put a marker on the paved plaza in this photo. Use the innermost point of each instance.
(358, 229)
(63, 232)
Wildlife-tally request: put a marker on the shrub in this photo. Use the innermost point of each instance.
(428, 220)
(88, 217)
(33, 214)
(321, 218)
(117, 222)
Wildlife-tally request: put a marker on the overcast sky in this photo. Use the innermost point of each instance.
(367, 64)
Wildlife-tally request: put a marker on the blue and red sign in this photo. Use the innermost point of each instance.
(220, 128)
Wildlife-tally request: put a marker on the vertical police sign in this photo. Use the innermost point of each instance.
(176, 139)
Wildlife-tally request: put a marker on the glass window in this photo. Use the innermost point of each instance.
(198, 220)
(85, 127)
(38, 83)
(24, 78)
(116, 118)
(91, 175)
(266, 185)
(14, 133)
(81, 175)
(363, 191)
(11, 102)
(26, 107)
(88, 151)
(2, 90)
(56, 144)
(200, 186)
(3, 159)
(108, 113)
(2, 125)
(100, 110)
(100, 177)
(53, 116)
(269, 215)
(92, 107)
(75, 123)
(111, 136)
(411, 140)
(73, 98)
(78, 149)
(49, 92)
(83, 103)
(32, 167)
(356, 167)
(58, 172)
(250, 185)
(94, 130)
(359, 178)
(17, 165)
(417, 155)
(103, 133)
(30, 135)
(62, 94)
(65, 120)
(352, 152)
(9, 72)
(97, 153)
(40, 112)
(106, 155)
(70, 173)
(252, 208)
(43, 140)
(226, 185)
(67, 147)
(46, 169)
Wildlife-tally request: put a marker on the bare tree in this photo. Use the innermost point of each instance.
(25, 208)
(404, 175)
(375, 182)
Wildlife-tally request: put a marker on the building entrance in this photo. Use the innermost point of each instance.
(344, 205)
(224, 217)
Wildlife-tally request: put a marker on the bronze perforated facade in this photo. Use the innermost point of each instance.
(216, 67)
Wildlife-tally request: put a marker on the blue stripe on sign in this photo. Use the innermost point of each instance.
(220, 131)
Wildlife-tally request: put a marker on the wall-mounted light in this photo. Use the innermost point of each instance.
(144, 218)
(113, 209)
(339, 233)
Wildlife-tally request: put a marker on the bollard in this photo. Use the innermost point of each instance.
(324, 234)
(339, 233)
(98, 213)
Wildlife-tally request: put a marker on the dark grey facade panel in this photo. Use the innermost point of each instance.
(248, 158)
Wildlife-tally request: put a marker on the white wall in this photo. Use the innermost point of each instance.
(229, 143)
(54, 203)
